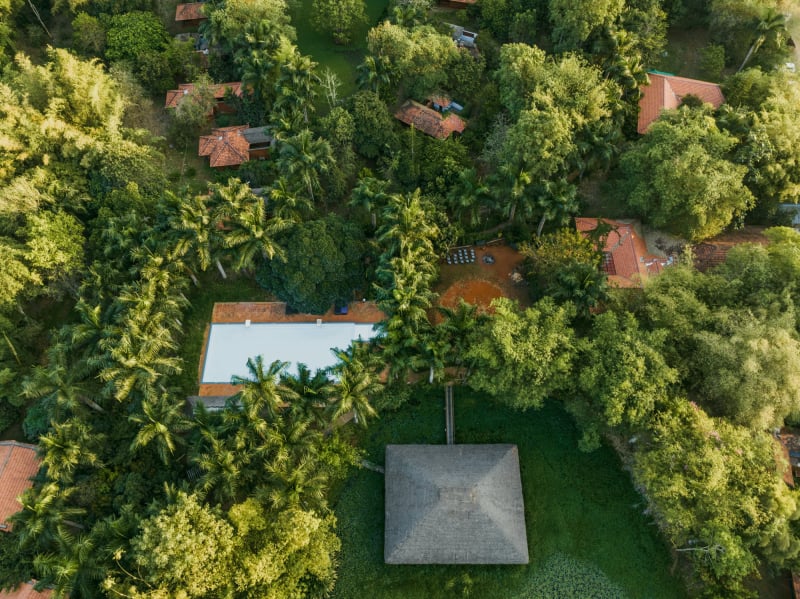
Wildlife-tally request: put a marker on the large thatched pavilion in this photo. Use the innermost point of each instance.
(454, 504)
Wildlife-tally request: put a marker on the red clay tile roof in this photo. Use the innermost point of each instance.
(18, 463)
(428, 120)
(624, 251)
(667, 91)
(193, 11)
(174, 96)
(25, 591)
(225, 146)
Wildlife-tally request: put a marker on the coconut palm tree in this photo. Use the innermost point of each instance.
(773, 24)
(263, 394)
(197, 227)
(248, 233)
(352, 391)
(305, 160)
(161, 421)
(70, 444)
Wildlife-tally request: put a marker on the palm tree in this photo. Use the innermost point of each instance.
(773, 23)
(161, 421)
(468, 196)
(296, 85)
(286, 203)
(63, 386)
(197, 228)
(374, 74)
(262, 394)
(74, 567)
(356, 384)
(221, 467)
(305, 159)
(44, 511)
(248, 232)
(67, 446)
(310, 392)
(369, 194)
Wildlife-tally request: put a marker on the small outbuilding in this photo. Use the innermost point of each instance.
(18, 465)
(429, 121)
(235, 145)
(454, 504)
(190, 14)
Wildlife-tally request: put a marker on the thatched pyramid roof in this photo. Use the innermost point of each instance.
(454, 504)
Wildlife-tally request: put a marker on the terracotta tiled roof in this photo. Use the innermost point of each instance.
(18, 463)
(225, 146)
(174, 96)
(714, 251)
(193, 11)
(25, 591)
(428, 120)
(625, 251)
(667, 91)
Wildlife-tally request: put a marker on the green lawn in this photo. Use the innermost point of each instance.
(342, 60)
(587, 536)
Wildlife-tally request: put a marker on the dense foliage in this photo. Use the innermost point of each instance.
(104, 256)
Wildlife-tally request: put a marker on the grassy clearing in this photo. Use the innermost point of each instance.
(587, 536)
(683, 54)
(342, 60)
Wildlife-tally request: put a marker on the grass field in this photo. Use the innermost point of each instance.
(342, 60)
(587, 536)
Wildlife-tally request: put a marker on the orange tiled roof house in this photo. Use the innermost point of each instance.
(176, 96)
(668, 91)
(429, 121)
(232, 146)
(626, 260)
(190, 14)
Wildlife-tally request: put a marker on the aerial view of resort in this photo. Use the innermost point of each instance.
(400, 299)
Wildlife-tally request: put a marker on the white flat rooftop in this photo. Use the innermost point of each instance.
(230, 345)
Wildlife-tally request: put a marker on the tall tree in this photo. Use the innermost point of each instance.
(521, 357)
(339, 18)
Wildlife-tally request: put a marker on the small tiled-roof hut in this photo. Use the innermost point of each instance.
(190, 14)
(454, 504)
(625, 257)
(429, 121)
(18, 464)
(668, 91)
(232, 146)
(220, 90)
(226, 146)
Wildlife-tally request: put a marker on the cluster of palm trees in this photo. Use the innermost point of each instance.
(269, 440)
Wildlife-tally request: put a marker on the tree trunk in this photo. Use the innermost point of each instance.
(220, 269)
(753, 49)
(541, 225)
(374, 219)
(92, 405)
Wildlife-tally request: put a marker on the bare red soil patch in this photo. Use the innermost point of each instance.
(472, 291)
(483, 280)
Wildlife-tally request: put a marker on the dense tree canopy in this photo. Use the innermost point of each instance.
(324, 263)
(679, 178)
